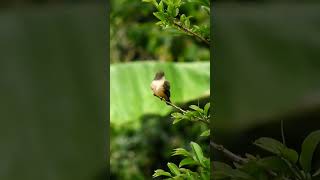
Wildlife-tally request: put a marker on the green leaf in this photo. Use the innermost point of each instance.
(273, 163)
(205, 8)
(308, 147)
(206, 109)
(160, 15)
(173, 168)
(177, 117)
(160, 172)
(181, 151)
(154, 2)
(171, 10)
(205, 133)
(175, 121)
(187, 161)
(290, 154)
(270, 145)
(198, 152)
(131, 97)
(191, 114)
(160, 6)
(317, 173)
(276, 147)
(196, 108)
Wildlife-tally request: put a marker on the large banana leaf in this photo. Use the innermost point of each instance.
(131, 96)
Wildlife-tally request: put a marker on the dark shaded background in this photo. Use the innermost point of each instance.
(266, 69)
(53, 90)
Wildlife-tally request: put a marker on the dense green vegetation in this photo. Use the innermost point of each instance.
(142, 135)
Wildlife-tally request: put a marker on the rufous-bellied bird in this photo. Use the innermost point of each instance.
(161, 87)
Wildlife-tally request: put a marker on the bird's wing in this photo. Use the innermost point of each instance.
(166, 86)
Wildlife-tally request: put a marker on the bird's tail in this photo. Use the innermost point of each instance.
(168, 100)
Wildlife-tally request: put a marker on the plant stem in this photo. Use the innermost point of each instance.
(228, 153)
(282, 133)
(171, 104)
(190, 32)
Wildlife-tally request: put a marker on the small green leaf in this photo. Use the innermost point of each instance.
(160, 172)
(160, 6)
(308, 147)
(205, 133)
(196, 108)
(317, 173)
(187, 161)
(177, 12)
(175, 121)
(290, 154)
(181, 151)
(177, 115)
(191, 114)
(250, 156)
(173, 168)
(198, 152)
(205, 8)
(154, 2)
(206, 108)
(160, 16)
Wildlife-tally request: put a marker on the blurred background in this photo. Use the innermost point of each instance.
(53, 84)
(142, 136)
(266, 69)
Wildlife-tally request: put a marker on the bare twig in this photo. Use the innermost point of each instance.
(234, 157)
(229, 154)
(171, 104)
(188, 31)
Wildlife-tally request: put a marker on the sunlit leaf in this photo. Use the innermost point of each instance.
(160, 172)
(205, 133)
(206, 108)
(187, 161)
(180, 151)
(173, 168)
(198, 152)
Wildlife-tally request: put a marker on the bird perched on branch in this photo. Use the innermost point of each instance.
(161, 87)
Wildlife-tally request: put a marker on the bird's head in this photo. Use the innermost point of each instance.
(159, 75)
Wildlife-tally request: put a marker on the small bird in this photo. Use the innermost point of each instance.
(161, 87)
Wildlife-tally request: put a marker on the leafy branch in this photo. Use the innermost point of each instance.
(195, 157)
(168, 14)
(282, 164)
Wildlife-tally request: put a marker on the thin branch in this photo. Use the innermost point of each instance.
(171, 104)
(188, 31)
(234, 157)
(282, 134)
(229, 154)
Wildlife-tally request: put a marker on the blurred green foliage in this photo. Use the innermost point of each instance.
(53, 93)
